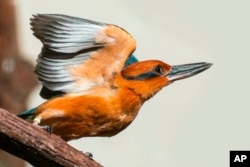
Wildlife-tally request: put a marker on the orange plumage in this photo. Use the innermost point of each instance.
(90, 90)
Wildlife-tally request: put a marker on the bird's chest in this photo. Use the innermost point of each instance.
(111, 114)
(94, 115)
(114, 117)
(113, 123)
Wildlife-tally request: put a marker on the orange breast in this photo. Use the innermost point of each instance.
(102, 112)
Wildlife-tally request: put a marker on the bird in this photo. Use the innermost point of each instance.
(92, 82)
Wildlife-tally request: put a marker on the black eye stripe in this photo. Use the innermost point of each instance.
(146, 76)
(143, 76)
(155, 72)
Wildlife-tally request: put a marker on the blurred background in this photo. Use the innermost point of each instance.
(193, 122)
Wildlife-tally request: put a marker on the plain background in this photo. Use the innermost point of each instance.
(193, 122)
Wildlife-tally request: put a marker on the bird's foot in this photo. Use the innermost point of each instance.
(47, 128)
(89, 154)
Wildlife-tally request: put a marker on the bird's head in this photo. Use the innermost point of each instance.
(146, 78)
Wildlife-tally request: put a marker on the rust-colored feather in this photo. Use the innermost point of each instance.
(106, 62)
(98, 113)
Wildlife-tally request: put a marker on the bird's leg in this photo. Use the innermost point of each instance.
(47, 128)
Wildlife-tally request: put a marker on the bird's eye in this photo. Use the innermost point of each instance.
(158, 69)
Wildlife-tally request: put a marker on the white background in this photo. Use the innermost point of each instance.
(193, 122)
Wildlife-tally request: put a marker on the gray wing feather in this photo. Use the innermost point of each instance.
(67, 41)
(65, 34)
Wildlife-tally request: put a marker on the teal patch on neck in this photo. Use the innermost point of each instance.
(132, 59)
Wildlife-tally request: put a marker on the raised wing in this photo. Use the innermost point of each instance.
(78, 54)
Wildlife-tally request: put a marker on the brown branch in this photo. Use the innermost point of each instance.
(36, 146)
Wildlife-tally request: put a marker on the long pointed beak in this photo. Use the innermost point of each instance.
(186, 70)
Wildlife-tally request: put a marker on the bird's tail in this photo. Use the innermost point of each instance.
(27, 115)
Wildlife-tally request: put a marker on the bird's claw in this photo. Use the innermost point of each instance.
(89, 154)
(47, 128)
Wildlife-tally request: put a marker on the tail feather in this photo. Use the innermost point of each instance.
(27, 115)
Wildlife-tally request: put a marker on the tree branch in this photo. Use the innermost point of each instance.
(36, 146)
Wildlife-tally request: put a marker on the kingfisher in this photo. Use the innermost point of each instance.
(93, 83)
